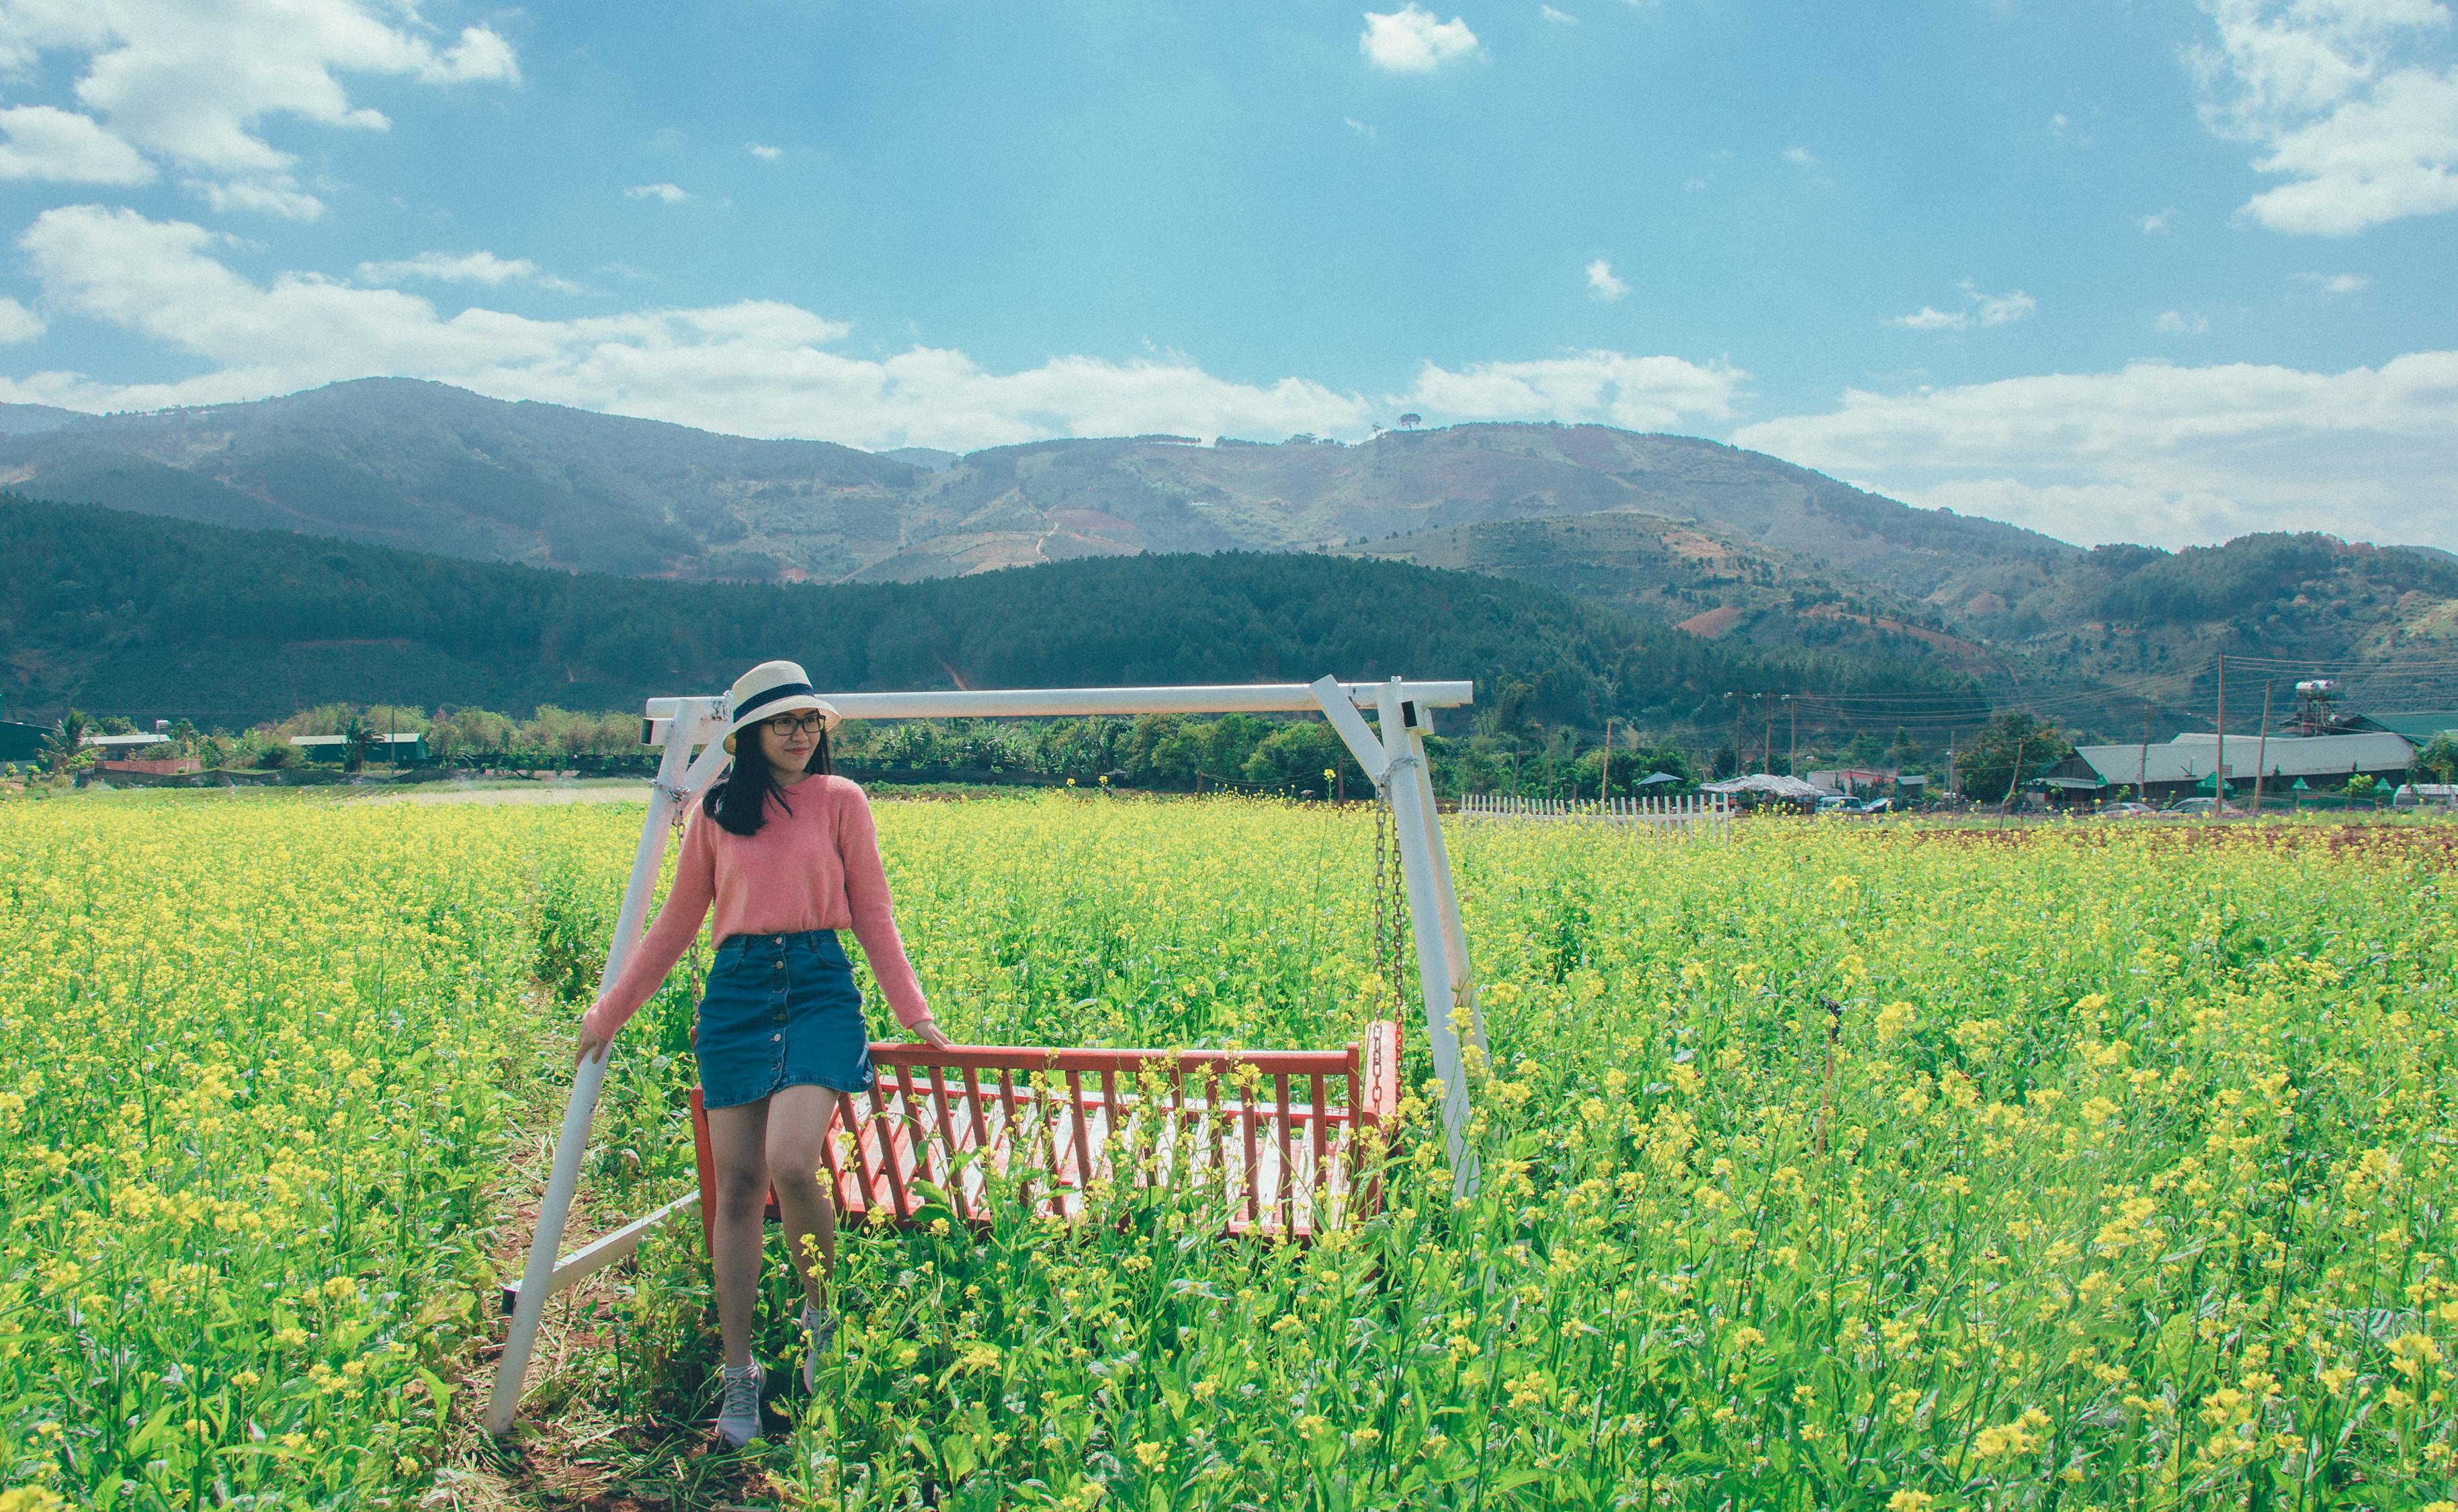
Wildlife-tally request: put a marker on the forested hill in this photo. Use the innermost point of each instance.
(156, 618)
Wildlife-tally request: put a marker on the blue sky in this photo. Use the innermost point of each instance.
(2155, 271)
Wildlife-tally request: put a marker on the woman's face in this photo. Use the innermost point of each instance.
(788, 740)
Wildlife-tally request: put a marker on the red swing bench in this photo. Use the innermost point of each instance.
(1259, 1134)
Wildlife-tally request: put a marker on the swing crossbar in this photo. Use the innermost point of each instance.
(1271, 1142)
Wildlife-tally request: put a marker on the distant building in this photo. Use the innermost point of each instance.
(399, 750)
(2179, 767)
(1764, 788)
(2417, 727)
(123, 748)
(1851, 779)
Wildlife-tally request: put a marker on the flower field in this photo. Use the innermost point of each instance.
(2118, 1173)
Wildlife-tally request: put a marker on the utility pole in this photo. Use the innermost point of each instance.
(2143, 778)
(1736, 732)
(2219, 778)
(1604, 784)
(1769, 746)
(1792, 756)
(2261, 748)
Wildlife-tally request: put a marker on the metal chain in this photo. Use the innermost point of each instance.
(1384, 924)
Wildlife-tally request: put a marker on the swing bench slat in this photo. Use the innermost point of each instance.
(1274, 1168)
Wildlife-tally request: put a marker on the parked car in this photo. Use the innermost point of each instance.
(2128, 810)
(2199, 806)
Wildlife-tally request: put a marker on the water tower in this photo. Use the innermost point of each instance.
(2314, 715)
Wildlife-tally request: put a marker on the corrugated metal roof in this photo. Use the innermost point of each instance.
(2192, 757)
(2418, 727)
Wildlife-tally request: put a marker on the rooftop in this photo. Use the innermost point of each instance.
(2192, 757)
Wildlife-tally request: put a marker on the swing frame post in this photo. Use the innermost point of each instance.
(696, 722)
(1395, 759)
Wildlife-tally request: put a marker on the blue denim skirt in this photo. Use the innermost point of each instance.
(779, 1011)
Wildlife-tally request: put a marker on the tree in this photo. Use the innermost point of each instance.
(65, 751)
(2438, 760)
(1989, 768)
(355, 736)
(1410, 421)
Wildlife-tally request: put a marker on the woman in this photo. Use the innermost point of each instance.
(789, 855)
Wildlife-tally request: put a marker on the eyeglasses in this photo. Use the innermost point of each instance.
(807, 722)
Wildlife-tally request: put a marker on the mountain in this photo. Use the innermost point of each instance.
(119, 613)
(431, 468)
(1709, 583)
(1727, 544)
(23, 419)
(2156, 621)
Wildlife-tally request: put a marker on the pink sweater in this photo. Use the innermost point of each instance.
(814, 868)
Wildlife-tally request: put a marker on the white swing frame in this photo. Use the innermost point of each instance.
(1394, 758)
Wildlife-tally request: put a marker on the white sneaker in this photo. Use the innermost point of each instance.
(737, 1417)
(822, 1331)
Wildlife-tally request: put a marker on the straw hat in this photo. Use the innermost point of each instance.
(770, 689)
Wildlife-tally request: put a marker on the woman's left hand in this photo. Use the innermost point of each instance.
(929, 1030)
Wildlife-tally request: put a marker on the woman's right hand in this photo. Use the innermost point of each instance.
(591, 1043)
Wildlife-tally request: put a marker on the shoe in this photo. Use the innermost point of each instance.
(822, 1330)
(738, 1417)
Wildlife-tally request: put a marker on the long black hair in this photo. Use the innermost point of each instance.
(739, 800)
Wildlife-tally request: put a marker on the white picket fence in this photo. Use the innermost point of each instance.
(1689, 816)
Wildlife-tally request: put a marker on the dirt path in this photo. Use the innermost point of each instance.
(568, 1452)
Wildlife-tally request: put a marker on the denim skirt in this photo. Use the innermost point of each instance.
(779, 1011)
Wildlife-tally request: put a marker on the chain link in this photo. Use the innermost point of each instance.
(1385, 923)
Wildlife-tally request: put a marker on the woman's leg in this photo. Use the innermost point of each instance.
(798, 1122)
(737, 1141)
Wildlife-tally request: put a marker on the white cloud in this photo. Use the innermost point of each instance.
(663, 192)
(1557, 17)
(1409, 40)
(1643, 393)
(2162, 452)
(2157, 224)
(2176, 323)
(1602, 284)
(1987, 309)
(1360, 127)
(1929, 318)
(191, 83)
(466, 267)
(750, 369)
(764, 152)
(2338, 284)
(64, 147)
(2004, 309)
(17, 322)
(1800, 156)
(277, 196)
(2057, 124)
(2331, 95)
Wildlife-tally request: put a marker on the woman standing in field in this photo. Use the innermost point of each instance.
(789, 855)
